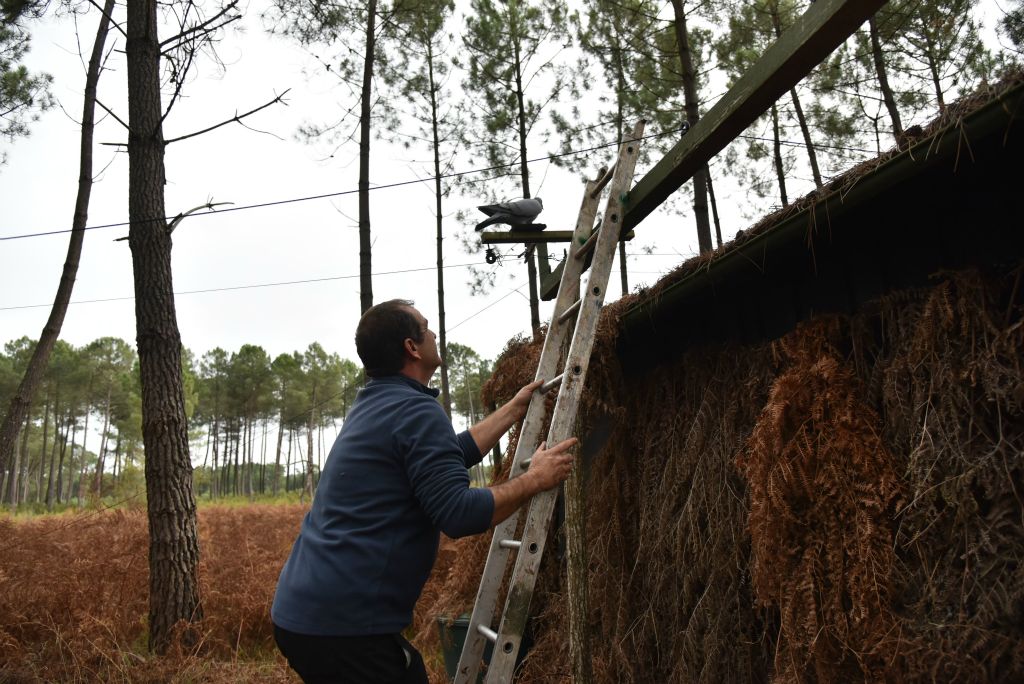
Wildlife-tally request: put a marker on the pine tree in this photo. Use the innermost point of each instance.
(17, 408)
(612, 39)
(514, 72)
(434, 119)
(1013, 24)
(363, 32)
(942, 45)
(23, 95)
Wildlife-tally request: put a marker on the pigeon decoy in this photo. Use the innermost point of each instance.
(518, 213)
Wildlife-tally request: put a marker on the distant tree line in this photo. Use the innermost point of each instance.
(259, 426)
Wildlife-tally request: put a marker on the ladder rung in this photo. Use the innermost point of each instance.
(551, 384)
(603, 181)
(510, 543)
(570, 312)
(488, 633)
(588, 246)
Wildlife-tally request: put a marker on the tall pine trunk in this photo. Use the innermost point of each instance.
(26, 461)
(53, 455)
(71, 464)
(250, 466)
(933, 71)
(533, 251)
(97, 485)
(780, 169)
(365, 268)
(19, 456)
(215, 475)
(692, 107)
(812, 155)
(173, 540)
(288, 462)
(117, 460)
(307, 488)
(263, 460)
(42, 452)
(619, 115)
(714, 207)
(82, 464)
(883, 79)
(434, 114)
(18, 408)
(277, 459)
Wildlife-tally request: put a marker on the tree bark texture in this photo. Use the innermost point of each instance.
(16, 496)
(883, 79)
(173, 541)
(714, 207)
(438, 210)
(71, 463)
(308, 487)
(692, 106)
(933, 70)
(524, 173)
(531, 272)
(277, 459)
(98, 478)
(85, 440)
(365, 266)
(53, 454)
(42, 452)
(780, 170)
(812, 156)
(18, 408)
(19, 456)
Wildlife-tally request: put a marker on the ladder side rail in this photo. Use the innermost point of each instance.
(529, 440)
(524, 577)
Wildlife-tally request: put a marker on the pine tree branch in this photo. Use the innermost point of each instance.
(111, 113)
(237, 118)
(109, 18)
(205, 26)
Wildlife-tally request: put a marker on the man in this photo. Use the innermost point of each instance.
(395, 478)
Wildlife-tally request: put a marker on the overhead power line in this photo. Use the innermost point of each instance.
(342, 193)
(247, 287)
(398, 184)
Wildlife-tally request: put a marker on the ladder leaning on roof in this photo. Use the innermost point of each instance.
(574, 316)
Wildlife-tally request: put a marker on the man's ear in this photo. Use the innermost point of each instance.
(411, 348)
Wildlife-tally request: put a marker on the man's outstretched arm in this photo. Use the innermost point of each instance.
(488, 431)
(548, 468)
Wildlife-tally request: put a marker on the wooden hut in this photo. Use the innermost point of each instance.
(804, 452)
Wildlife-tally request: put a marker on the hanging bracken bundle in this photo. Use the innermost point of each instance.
(823, 491)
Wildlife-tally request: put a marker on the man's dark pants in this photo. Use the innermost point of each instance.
(383, 659)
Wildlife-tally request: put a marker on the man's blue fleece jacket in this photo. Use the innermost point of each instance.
(395, 478)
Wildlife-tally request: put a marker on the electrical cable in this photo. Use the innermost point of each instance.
(341, 193)
(507, 294)
(248, 287)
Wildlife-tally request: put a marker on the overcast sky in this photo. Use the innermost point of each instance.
(298, 241)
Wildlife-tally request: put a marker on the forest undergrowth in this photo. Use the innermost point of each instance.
(74, 606)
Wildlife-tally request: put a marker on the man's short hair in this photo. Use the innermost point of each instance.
(381, 336)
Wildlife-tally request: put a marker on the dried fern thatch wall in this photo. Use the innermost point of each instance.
(843, 504)
(839, 499)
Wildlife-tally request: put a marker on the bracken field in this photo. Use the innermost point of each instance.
(74, 605)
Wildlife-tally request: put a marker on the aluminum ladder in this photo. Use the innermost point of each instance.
(575, 317)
